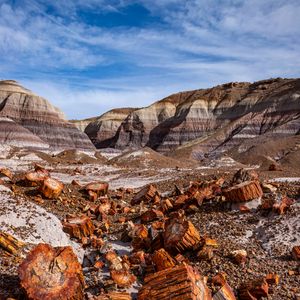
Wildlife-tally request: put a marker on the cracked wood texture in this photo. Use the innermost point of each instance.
(178, 283)
(79, 227)
(49, 273)
(243, 192)
(51, 188)
(10, 244)
(180, 234)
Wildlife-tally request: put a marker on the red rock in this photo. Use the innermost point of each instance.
(6, 172)
(52, 273)
(51, 188)
(272, 279)
(224, 293)
(177, 283)
(35, 178)
(296, 253)
(256, 289)
(151, 215)
(239, 256)
(162, 260)
(146, 194)
(79, 227)
(243, 192)
(283, 205)
(180, 234)
(98, 188)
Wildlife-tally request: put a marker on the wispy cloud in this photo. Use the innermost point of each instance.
(49, 46)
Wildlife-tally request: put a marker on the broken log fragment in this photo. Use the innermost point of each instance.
(224, 293)
(51, 188)
(6, 172)
(256, 289)
(119, 270)
(166, 205)
(35, 178)
(52, 273)
(178, 283)
(296, 253)
(272, 278)
(151, 215)
(78, 227)
(180, 234)
(243, 192)
(283, 205)
(163, 260)
(96, 189)
(9, 243)
(147, 194)
(114, 296)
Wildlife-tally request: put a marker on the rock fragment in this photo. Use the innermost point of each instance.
(296, 253)
(163, 260)
(243, 192)
(178, 283)
(255, 289)
(52, 273)
(146, 194)
(51, 188)
(180, 234)
(78, 227)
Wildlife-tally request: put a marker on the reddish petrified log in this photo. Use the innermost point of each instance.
(256, 289)
(296, 253)
(10, 244)
(166, 205)
(151, 215)
(239, 256)
(96, 189)
(114, 296)
(6, 172)
(51, 188)
(283, 205)
(178, 283)
(35, 178)
(78, 227)
(52, 273)
(224, 293)
(272, 278)
(163, 260)
(147, 194)
(119, 270)
(243, 192)
(180, 234)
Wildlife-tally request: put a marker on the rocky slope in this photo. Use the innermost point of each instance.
(30, 121)
(209, 121)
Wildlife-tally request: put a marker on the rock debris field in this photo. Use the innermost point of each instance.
(81, 226)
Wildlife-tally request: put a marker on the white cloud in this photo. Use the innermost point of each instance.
(202, 43)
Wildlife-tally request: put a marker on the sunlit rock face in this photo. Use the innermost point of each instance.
(29, 120)
(215, 119)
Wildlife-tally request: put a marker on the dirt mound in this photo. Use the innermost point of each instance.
(146, 157)
(75, 156)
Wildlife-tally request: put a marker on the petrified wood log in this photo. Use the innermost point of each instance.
(151, 215)
(6, 172)
(115, 296)
(178, 283)
(78, 227)
(224, 293)
(146, 194)
(163, 260)
(296, 253)
(243, 175)
(256, 288)
(9, 243)
(272, 278)
(180, 234)
(243, 192)
(35, 178)
(119, 270)
(51, 188)
(52, 273)
(96, 189)
(166, 205)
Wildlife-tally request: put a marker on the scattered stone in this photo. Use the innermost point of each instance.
(296, 253)
(147, 194)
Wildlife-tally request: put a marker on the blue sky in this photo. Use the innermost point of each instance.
(88, 56)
